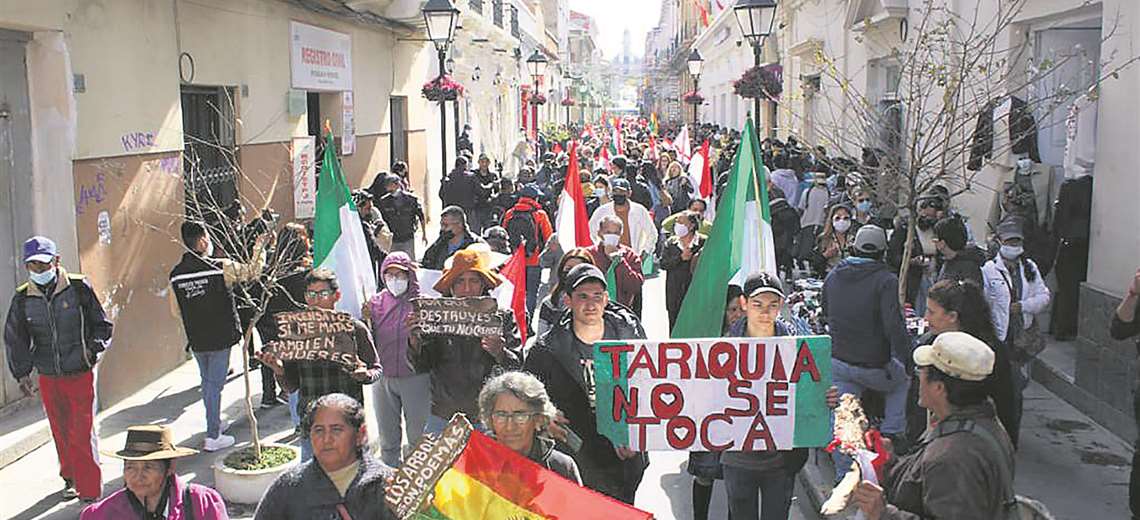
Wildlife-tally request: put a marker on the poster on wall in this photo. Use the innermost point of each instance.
(320, 59)
(727, 394)
(304, 150)
(348, 140)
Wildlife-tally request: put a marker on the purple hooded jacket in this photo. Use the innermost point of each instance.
(386, 314)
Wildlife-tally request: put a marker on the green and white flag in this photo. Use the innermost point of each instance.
(739, 245)
(338, 237)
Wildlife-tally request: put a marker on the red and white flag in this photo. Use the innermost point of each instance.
(700, 174)
(681, 145)
(515, 273)
(573, 224)
(652, 148)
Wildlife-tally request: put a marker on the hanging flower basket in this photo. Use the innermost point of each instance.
(693, 97)
(538, 99)
(442, 88)
(765, 82)
(567, 102)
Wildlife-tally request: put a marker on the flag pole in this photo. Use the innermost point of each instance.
(757, 163)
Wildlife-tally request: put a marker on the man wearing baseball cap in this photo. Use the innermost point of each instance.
(564, 360)
(57, 326)
(963, 467)
(869, 341)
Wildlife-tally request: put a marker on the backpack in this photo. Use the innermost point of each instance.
(522, 228)
(1017, 507)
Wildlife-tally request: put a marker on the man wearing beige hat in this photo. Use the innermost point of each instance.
(963, 466)
(152, 489)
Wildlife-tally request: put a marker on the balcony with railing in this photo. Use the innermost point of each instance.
(476, 5)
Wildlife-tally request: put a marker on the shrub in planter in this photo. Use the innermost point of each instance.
(693, 97)
(241, 477)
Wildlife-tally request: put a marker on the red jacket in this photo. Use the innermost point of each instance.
(627, 273)
(540, 219)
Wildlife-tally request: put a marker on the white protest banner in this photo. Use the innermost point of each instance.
(727, 394)
(320, 59)
(303, 150)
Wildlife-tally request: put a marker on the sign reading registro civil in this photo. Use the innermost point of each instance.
(725, 394)
(315, 335)
(473, 317)
(320, 59)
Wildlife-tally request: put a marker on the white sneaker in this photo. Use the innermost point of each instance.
(219, 443)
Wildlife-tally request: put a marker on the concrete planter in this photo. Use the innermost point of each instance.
(248, 486)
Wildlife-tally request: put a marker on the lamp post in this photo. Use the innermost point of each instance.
(696, 63)
(756, 18)
(440, 17)
(536, 64)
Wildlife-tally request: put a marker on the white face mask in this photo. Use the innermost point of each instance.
(396, 284)
(209, 248)
(1011, 252)
(841, 224)
(611, 240)
(680, 229)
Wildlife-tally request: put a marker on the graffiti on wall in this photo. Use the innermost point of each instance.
(134, 141)
(91, 193)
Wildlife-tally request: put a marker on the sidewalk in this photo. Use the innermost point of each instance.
(33, 486)
(1078, 469)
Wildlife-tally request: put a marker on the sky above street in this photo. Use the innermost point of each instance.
(615, 16)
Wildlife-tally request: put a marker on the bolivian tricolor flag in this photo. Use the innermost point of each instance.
(463, 474)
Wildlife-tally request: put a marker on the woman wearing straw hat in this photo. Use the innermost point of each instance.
(152, 489)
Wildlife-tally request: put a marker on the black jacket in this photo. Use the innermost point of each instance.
(1121, 329)
(306, 493)
(1022, 133)
(554, 361)
(59, 333)
(459, 366)
(461, 189)
(966, 265)
(209, 315)
(403, 214)
(860, 300)
(544, 453)
(437, 253)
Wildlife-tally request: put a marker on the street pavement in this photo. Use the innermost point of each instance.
(1067, 461)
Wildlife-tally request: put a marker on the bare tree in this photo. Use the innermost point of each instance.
(949, 70)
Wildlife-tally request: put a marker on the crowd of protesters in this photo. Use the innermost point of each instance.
(975, 306)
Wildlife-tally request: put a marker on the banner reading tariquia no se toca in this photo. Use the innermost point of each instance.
(724, 394)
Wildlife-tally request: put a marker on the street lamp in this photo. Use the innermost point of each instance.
(441, 17)
(756, 18)
(536, 64)
(696, 63)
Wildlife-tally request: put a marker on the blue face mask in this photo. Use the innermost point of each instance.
(864, 206)
(43, 278)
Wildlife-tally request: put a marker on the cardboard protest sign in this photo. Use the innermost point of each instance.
(727, 394)
(465, 474)
(474, 317)
(315, 335)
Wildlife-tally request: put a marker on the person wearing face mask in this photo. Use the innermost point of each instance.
(610, 252)
(923, 250)
(813, 214)
(638, 231)
(401, 392)
(834, 242)
(292, 261)
(1016, 291)
(57, 326)
(203, 289)
(679, 259)
(454, 235)
(957, 258)
(601, 194)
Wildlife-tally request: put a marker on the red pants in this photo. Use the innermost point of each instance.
(70, 405)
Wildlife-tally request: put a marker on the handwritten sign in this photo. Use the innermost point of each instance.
(728, 394)
(473, 317)
(315, 335)
(304, 177)
(321, 59)
(422, 468)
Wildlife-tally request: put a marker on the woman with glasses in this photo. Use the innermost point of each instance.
(517, 408)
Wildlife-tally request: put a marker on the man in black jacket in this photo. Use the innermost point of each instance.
(959, 259)
(203, 288)
(869, 340)
(57, 326)
(564, 360)
(454, 235)
(1126, 324)
(403, 214)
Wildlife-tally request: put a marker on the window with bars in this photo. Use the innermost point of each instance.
(209, 159)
